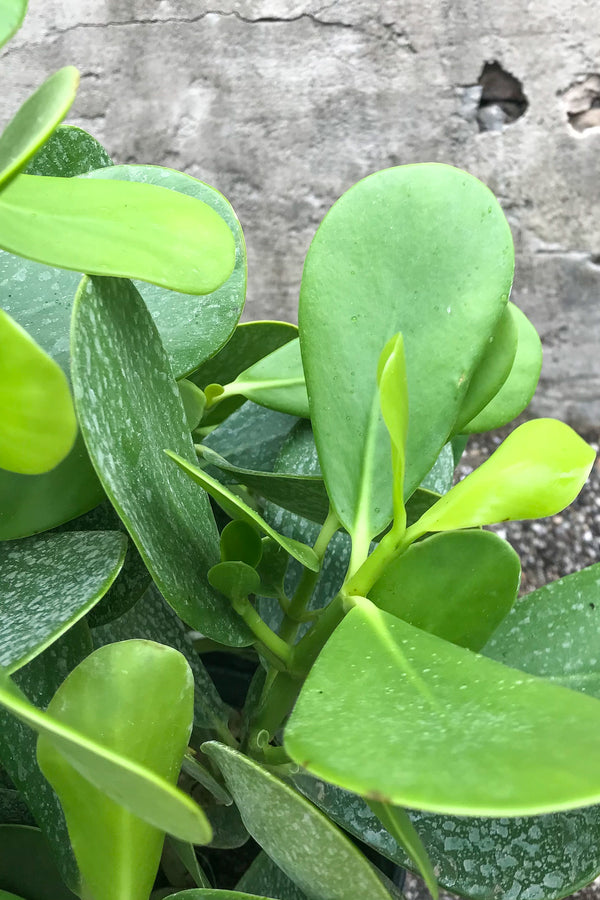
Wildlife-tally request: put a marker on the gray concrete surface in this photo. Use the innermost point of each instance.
(284, 105)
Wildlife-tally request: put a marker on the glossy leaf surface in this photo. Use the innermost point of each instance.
(537, 471)
(240, 541)
(116, 347)
(235, 579)
(482, 858)
(193, 329)
(493, 370)
(458, 585)
(301, 494)
(237, 508)
(146, 717)
(47, 583)
(519, 387)
(421, 249)
(26, 866)
(35, 121)
(37, 420)
(121, 777)
(158, 236)
(152, 619)
(12, 13)
(311, 851)
(393, 398)
(276, 381)
(194, 402)
(420, 722)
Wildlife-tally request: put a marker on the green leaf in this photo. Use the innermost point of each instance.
(37, 420)
(519, 387)
(298, 838)
(117, 228)
(441, 475)
(193, 329)
(116, 347)
(251, 437)
(39, 680)
(32, 503)
(27, 866)
(553, 633)
(301, 494)
(12, 13)
(420, 722)
(393, 398)
(187, 856)
(211, 894)
(236, 508)
(152, 619)
(249, 342)
(36, 120)
(68, 151)
(134, 700)
(493, 370)
(276, 381)
(421, 249)
(458, 585)
(236, 580)
(49, 582)
(240, 541)
(122, 778)
(397, 822)
(537, 471)
(542, 857)
(264, 877)
(194, 403)
(133, 579)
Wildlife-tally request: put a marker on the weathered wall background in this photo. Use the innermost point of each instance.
(283, 105)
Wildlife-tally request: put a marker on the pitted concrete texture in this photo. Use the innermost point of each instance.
(284, 105)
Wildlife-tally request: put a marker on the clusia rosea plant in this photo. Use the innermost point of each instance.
(285, 497)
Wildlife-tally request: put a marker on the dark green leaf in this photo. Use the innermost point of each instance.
(440, 476)
(276, 381)
(116, 347)
(35, 121)
(298, 838)
(264, 877)
(235, 507)
(252, 437)
(27, 866)
(68, 151)
(183, 244)
(420, 722)
(240, 541)
(458, 585)
(421, 249)
(49, 582)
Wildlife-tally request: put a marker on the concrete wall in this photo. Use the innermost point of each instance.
(284, 105)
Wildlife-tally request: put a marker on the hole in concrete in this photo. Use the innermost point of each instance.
(582, 102)
(502, 100)
(595, 259)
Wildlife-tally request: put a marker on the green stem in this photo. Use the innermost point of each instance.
(277, 649)
(390, 546)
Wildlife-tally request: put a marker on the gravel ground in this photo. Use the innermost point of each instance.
(549, 549)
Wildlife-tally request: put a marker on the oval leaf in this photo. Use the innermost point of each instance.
(276, 381)
(116, 347)
(116, 228)
(12, 13)
(519, 387)
(458, 585)
(36, 120)
(135, 699)
(47, 583)
(68, 151)
(37, 420)
(537, 471)
(420, 722)
(329, 866)
(421, 249)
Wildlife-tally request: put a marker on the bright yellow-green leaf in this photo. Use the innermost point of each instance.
(37, 420)
(117, 228)
(393, 397)
(538, 470)
(12, 13)
(36, 120)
